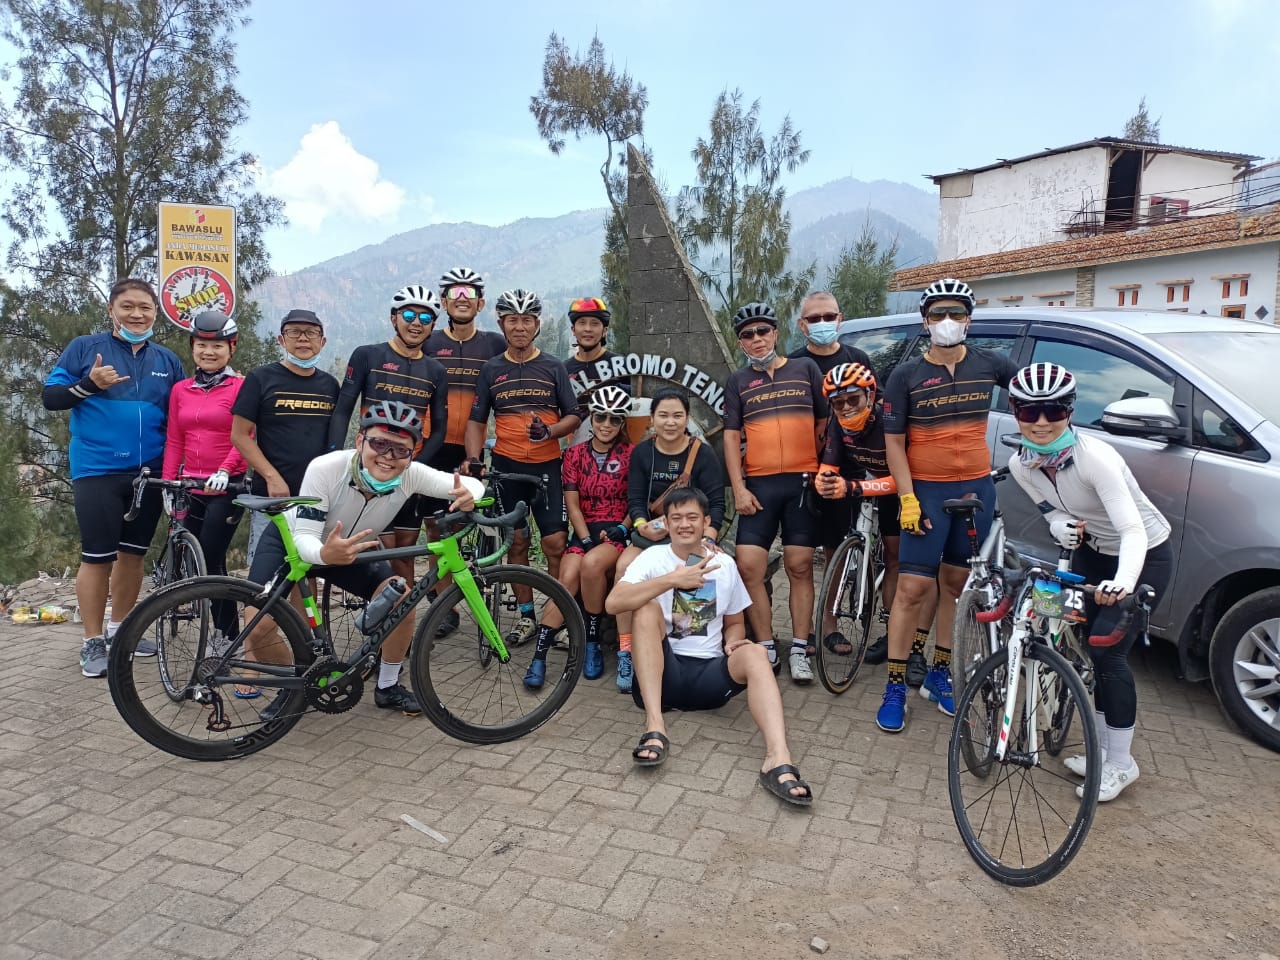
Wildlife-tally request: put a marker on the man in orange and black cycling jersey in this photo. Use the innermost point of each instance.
(591, 365)
(400, 369)
(533, 407)
(462, 350)
(776, 404)
(854, 464)
(935, 426)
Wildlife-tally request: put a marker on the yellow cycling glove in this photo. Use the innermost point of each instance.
(909, 516)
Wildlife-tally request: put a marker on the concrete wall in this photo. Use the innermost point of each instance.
(1061, 282)
(1021, 206)
(1194, 179)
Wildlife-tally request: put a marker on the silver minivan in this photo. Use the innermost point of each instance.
(1191, 403)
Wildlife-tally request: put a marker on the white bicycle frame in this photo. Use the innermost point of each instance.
(980, 579)
(867, 530)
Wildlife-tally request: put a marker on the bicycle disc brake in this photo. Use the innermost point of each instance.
(327, 688)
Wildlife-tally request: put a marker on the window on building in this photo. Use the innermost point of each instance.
(1102, 377)
(1236, 310)
(1186, 292)
(1119, 298)
(1168, 294)
(1244, 287)
(1133, 297)
(1226, 289)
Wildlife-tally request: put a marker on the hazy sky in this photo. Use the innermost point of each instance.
(375, 118)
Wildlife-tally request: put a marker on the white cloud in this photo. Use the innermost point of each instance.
(328, 177)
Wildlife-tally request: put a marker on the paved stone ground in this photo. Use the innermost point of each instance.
(558, 846)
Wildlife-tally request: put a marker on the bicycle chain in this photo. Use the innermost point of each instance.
(323, 691)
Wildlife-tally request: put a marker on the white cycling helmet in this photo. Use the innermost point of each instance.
(610, 399)
(947, 289)
(518, 301)
(1043, 382)
(459, 276)
(416, 295)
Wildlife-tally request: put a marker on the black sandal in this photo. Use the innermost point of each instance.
(771, 781)
(659, 748)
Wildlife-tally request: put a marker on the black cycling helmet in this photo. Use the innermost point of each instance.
(214, 325)
(393, 415)
(752, 312)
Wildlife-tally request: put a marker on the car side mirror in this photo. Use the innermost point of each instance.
(1142, 417)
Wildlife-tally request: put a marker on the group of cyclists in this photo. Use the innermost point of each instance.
(806, 436)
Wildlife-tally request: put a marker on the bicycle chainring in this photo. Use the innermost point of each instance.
(322, 689)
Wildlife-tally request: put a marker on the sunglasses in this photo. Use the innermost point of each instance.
(417, 316)
(382, 446)
(941, 313)
(463, 291)
(612, 418)
(750, 333)
(848, 401)
(1053, 412)
(821, 318)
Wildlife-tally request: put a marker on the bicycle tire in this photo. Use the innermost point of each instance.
(970, 640)
(1043, 787)
(183, 560)
(467, 698)
(1060, 718)
(837, 599)
(181, 728)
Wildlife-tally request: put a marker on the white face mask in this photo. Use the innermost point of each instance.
(948, 332)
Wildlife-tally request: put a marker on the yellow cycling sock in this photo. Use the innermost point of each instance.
(919, 641)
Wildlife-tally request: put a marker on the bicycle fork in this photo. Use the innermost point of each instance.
(466, 582)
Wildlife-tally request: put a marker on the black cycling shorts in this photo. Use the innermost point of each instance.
(549, 514)
(779, 497)
(835, 520)
(361, 579)
(449, 457)
(887, 510)
(100, 504)
(692, 683)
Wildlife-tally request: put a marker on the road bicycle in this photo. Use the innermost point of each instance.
(469, 682)
(1021, 814)
(849, 600)
(181, 558)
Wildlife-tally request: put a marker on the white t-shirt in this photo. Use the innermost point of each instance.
(695, 619)
(328, 477)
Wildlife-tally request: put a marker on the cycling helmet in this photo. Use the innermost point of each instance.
(461, 275)
(518, 301)
(214, 325)
(393, 415)
(610, 399)
(754, 311)
(848, 377)
(589, 307)
(416, 295)
(947, 289)
(1043, 382)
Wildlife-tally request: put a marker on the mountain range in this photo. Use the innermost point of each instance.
(560, 256)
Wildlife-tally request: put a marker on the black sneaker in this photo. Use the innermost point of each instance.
(878, 652)
(397, 698)
(917, 670)
(450, 624)
(272, 709)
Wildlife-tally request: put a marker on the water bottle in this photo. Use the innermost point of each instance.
(377, 609)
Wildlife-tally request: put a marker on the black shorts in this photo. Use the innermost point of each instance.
(835, 520)
(549, 514)
(692, 683)
(416, 509)
(887, 510)
(101, 503)
(362, 579)
(779, 497)
(449, 457)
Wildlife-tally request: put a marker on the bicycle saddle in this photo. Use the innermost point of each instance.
(963, 505)
(272, 505)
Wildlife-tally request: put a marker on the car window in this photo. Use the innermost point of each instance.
(1212, 428)
(996, 344)
(1102, 377)
(884, 345)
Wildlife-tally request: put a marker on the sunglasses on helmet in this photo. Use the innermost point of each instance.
(1031, 412)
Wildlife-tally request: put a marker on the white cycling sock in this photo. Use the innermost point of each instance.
(798, 644)
(388, 674)
(1119, 740)
(771, 650)
(112, 627)
(1103, 738)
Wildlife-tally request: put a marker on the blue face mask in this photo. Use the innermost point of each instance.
(379, 486)
(1067, 439)
(128, 336)
(823, 332)
(304, 364)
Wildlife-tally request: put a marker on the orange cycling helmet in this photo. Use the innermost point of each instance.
(848, 377)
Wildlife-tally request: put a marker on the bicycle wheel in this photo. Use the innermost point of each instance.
(1020, 817)
(340, 610)
(970, 640)
(207, 722)
(183, 559)
(843, 617)
(1060, 706)
(470, 694)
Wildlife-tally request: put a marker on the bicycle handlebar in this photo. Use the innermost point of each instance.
(508, 521)
(185, 484)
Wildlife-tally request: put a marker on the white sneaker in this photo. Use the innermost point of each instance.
(1077, 764)
(801, 672)
(1114, 780)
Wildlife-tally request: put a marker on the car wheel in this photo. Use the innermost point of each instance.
(1244, 663)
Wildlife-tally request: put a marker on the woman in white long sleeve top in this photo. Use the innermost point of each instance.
(1093, 505)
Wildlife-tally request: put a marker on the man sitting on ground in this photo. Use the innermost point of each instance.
(689, 648)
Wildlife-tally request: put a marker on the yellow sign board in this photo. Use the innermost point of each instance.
(197, 254)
